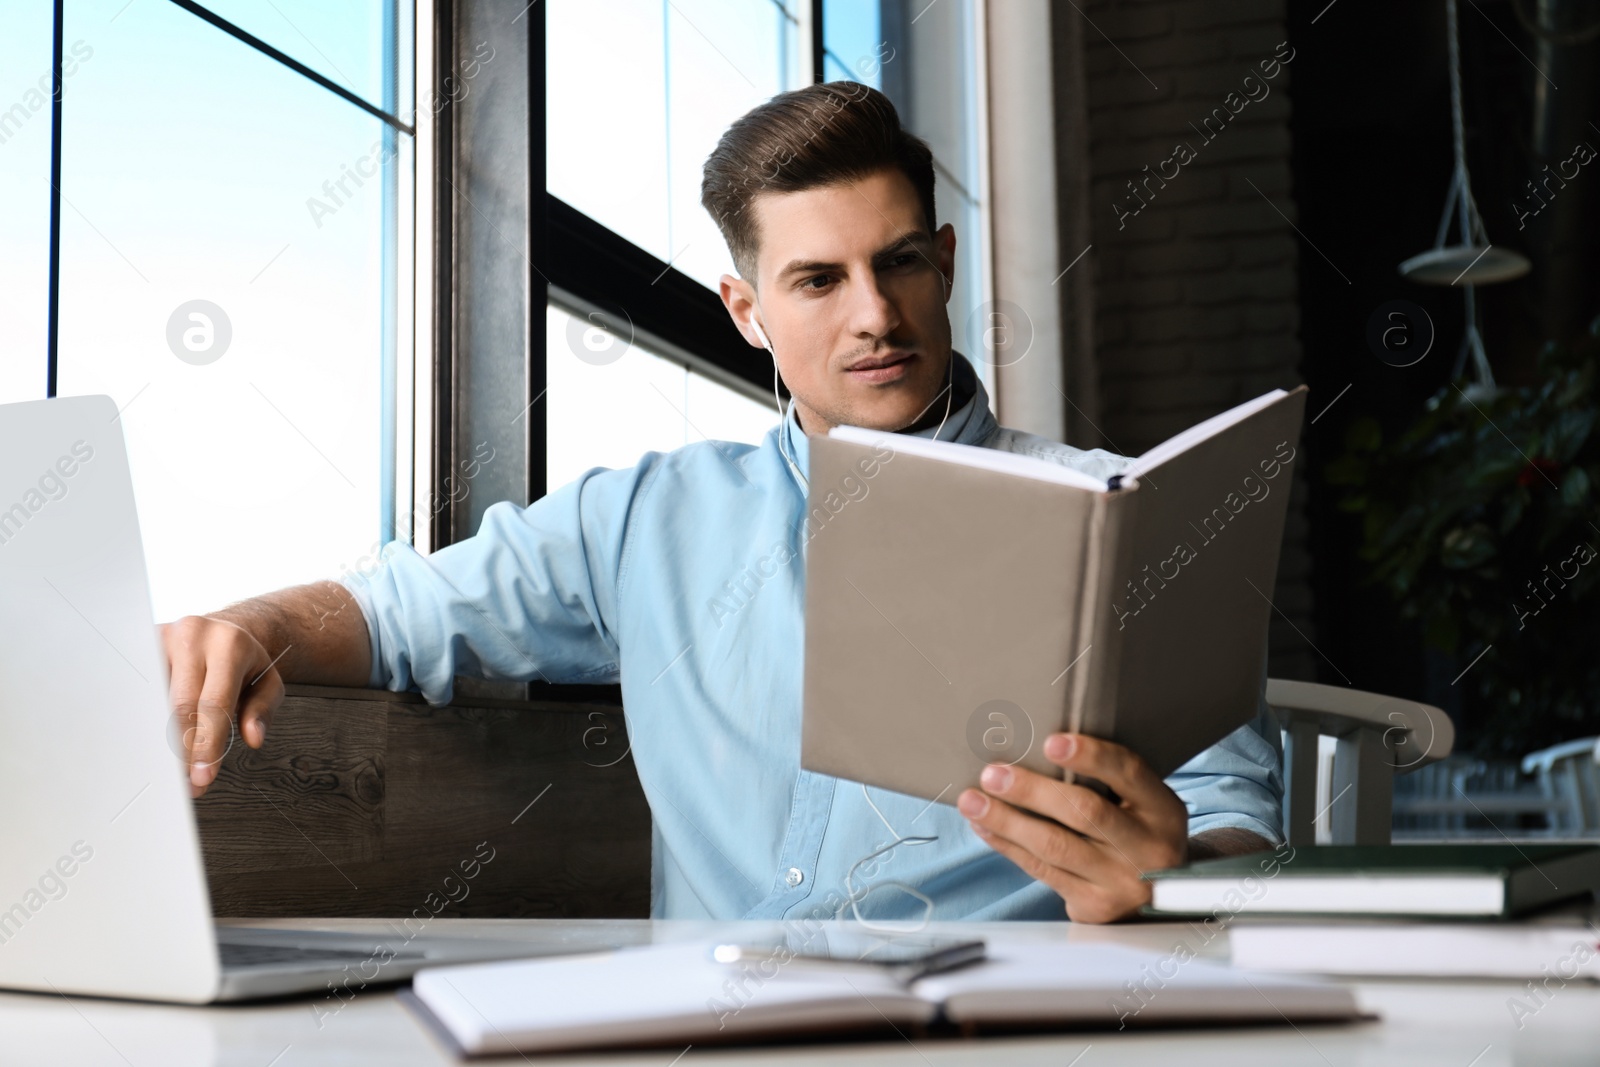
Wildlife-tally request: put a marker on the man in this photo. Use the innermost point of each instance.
(630, 575)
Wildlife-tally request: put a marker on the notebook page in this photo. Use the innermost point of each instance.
(1037, 981)
(659, 993)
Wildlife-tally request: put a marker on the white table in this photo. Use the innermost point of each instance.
(1452, 1024)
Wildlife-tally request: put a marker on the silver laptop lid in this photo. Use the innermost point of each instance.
(102, 890)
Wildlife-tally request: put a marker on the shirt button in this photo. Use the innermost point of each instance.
(794, 877)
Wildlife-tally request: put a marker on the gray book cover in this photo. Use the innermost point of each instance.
(958, 611)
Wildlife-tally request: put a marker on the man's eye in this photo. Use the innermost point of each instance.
(819, 281)
(905, 259)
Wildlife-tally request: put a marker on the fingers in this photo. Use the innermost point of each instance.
(1129, 777)
(213, 722)
(1082, 809)
(1095, 882)
(1085, 901)
(1087, 848)
(217, 670)
(187, 672)
(1156, 829)
(1064, 882)
(257, 706)
(1052, 845)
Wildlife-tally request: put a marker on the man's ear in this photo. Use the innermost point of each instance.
(944, 254)
(739, 297)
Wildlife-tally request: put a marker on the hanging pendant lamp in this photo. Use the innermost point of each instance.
(1472, 261)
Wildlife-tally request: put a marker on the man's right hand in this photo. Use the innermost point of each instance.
(220, 673)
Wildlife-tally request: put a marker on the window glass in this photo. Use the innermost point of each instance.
(224, 281)
(723, 59)
(342, 41)
(923, 56)
(610, 402)
(630, 125)
(606, 122)
(931, 74)
(25, 82)
(853, 42)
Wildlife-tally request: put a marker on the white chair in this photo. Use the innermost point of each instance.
(1569, 779)
(1375, 737)
(1449, 798)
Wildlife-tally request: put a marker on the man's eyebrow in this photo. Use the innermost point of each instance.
(912, 238)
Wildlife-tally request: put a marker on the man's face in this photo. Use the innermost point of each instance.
(851, 292)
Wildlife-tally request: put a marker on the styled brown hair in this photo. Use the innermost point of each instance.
(819, 135)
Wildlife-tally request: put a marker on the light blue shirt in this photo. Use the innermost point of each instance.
(628, 576)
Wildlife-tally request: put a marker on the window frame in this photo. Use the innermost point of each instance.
(402, 280)
(578, 264)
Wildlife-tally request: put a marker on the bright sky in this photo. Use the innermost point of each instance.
(188, 163)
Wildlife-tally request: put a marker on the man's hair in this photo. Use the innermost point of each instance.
(819, 135)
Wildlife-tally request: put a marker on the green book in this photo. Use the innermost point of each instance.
(1477, 881)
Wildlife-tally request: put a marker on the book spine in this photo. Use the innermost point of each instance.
(1092, 707)
(1075, 654)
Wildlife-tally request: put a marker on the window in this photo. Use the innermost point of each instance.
(639, 104)
(650, 403)
(638, 93)
(25, 66)
(631, 117)
(235, 259)
(239, 265)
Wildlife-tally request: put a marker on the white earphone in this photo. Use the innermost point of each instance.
(782, 430)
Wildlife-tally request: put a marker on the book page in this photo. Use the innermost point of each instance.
(1200, 431)
(993, 459)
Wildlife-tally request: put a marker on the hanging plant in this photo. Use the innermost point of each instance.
(1482, 522)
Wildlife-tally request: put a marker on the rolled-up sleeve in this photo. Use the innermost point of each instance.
(1238, 782)
(533, 595)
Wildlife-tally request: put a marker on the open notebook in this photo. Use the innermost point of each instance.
(964, 602)
(677, 994)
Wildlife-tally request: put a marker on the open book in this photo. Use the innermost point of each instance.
(678, 994)
(962, 603)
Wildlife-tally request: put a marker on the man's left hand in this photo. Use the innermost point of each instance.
(1090, 850)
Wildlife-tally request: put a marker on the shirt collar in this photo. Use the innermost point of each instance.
(971, 423)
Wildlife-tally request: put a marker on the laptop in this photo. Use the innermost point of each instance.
(102, 887)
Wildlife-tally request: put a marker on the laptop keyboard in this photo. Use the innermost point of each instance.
(236, 956)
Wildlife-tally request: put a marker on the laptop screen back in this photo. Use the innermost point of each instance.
(101, 885)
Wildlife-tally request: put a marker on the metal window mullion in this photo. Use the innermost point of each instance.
(250, 39)
(53, 300)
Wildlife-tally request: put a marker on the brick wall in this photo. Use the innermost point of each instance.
(1195, 272)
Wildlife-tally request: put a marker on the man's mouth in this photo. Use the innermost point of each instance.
(882, 368)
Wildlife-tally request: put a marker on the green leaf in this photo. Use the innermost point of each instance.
(1465, 547)
(1575, 487)
(1571, 429)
